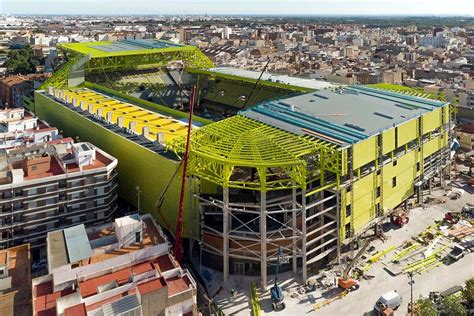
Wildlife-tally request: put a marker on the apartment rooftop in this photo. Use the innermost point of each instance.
(47, 159)
(62, 251)
(16, 278)
(343, 116)
(119, 271)
(19, 127)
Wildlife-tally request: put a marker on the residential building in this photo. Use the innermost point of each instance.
(122, 268)
(49, 185)
(19, 127)
(13, 89)
(15, 281)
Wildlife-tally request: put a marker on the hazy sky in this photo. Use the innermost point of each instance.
(372, 7)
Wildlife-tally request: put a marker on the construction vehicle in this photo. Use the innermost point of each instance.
(345, 282)
(388, 302)
(276, 291)
(400, 218)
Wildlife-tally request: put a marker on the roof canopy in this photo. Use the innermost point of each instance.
(279, 159)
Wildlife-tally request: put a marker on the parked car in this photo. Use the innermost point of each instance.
(390, 299)
(457, 252)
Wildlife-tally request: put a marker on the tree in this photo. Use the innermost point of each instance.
(468, 292)
(452, 306)
(425, 307)
(21, 61)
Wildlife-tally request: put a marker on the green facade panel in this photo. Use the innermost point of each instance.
(138, 166)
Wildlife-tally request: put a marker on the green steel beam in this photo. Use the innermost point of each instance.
(239, 152)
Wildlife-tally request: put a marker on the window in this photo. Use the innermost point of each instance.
(348, 210)
(137, 236)
(418, 166)
(377, 192)
(394, 182)
(394, 163)
(348, 189)
(379, 171)
(33, 168)
(19, 193)
(378, 210)
(348, 230)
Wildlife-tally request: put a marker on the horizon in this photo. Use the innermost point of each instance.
(346, 8)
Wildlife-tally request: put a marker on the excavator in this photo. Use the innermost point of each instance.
(345, 282)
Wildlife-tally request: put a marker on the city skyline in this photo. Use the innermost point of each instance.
(245, 7)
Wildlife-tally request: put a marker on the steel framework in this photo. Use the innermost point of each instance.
(281, 160)
(80, 55)
(239, 153)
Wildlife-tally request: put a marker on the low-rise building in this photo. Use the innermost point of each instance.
(19, 127)
(123, 268)
(13, 89)
(465, 136)
(15, 281)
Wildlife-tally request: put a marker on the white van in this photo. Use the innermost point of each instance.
(390, 299)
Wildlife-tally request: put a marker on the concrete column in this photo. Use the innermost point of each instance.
(74, 101)
(82, 104)
(263, 238)
(303, 242)
(90, 108)
(120, 121)
(160, 138)
(295, 231)
(145, 131)
(225, 234)
(99, 111)
(131, 126)
(50, 91)
(109, 117)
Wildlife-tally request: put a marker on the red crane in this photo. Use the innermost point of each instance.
(178, 240)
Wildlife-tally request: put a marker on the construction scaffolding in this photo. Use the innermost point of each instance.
(278, 190)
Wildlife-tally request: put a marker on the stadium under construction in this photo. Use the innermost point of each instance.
(272, 166)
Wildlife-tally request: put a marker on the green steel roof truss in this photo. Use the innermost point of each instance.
(220, 149)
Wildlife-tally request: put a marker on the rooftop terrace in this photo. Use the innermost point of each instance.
(47, 159)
